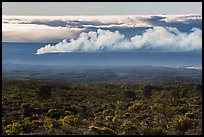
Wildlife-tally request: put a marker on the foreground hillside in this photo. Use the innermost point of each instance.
(48, 107)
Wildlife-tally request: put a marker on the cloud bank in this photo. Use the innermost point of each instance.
(56, 28)
(37, 33)
(156, 38)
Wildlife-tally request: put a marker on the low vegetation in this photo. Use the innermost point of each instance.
(39, 107)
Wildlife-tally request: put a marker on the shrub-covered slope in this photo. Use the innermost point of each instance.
(48, 107)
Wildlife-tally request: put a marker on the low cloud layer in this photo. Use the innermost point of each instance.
(56, 28)
(156, 38)
(37, 33)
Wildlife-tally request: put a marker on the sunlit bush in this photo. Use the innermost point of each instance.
(101, 130)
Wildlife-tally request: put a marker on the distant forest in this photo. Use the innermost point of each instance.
(104, 74)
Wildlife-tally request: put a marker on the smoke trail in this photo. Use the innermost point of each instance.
(159, 38)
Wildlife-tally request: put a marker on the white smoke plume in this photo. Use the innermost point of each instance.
(159, 38)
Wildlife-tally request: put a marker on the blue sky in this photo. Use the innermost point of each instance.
(100, 8)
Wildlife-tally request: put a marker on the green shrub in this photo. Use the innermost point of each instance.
(68, 120)
(184, 123)
(14, 129)
(101, 130)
